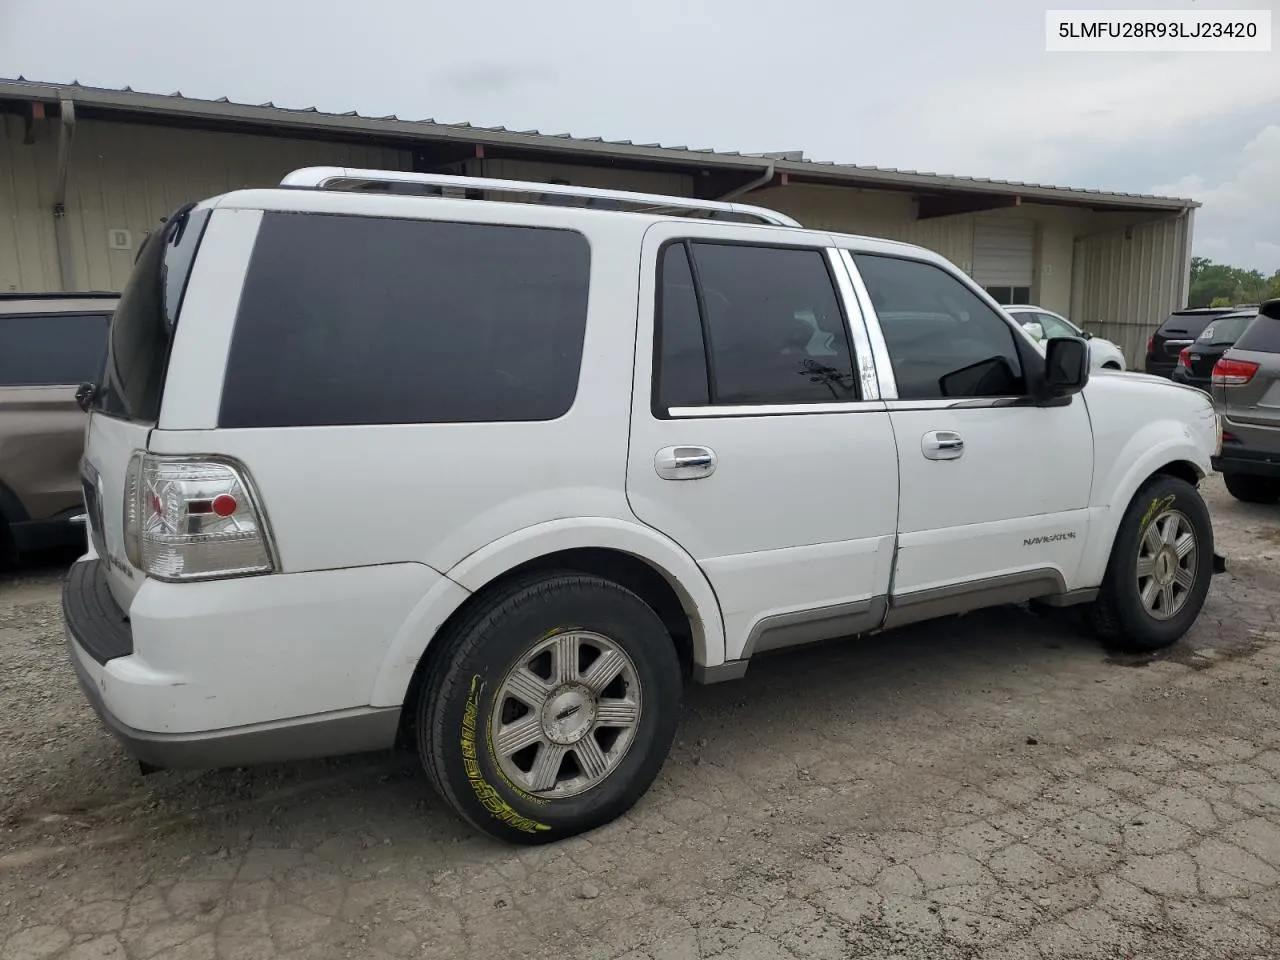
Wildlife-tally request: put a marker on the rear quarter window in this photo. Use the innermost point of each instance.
(1261, 336)
(364, 320)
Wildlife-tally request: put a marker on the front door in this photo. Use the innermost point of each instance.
(995, 491)
(757, 440)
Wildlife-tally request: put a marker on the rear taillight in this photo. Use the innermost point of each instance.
(1184, 357)
(193, 519)
(1233, 373)
(1151, 345)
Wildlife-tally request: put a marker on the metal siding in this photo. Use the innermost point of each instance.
(127, 176)
(1004, 251)
(28, 255)
(642, 181)
(1126, 287)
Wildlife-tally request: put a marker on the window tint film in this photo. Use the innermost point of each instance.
(1262, 335)
(943, 340)
(775, 330)
(145, 318)
(51, 349)
(682, 358)
(359, 320)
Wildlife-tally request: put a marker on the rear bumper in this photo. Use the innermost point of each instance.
(217, 705)
(1258, 463)
(1160, 368)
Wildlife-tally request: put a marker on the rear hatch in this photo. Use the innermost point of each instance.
(1246, 385)
(1214, 341)
(125, 402)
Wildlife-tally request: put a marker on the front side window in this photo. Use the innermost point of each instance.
(746, 324)
(51, 349)
(943, 340)
(371, 320)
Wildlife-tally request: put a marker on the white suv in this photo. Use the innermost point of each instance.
(497, 475)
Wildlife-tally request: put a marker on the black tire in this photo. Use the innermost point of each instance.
(455, 710)
(1118, 615)
(1252, 489)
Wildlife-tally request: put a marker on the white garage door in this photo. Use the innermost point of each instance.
(1004, 257)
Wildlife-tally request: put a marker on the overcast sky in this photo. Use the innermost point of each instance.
(930, 85)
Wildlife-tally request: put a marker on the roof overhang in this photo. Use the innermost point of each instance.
(444, 143)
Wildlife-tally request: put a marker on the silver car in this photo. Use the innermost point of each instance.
(1246, 392)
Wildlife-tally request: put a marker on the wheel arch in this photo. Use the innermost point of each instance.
(652, 566)
(1172, 456)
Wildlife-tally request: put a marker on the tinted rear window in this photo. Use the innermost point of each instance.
(1183, 325)
(144, 320)
(1262, 336)
(51, 349)
(363, 320)
(1225, 330)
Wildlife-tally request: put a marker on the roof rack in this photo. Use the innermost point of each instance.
(69, 295)
(419, 184)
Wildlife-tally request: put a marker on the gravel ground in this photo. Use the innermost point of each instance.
(995, 786)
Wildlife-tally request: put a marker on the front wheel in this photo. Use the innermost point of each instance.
(551, 708)
(1158, 575)
(1252, 489)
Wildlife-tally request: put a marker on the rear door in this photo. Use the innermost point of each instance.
(126, 400)
(44, 357)
(758, 442)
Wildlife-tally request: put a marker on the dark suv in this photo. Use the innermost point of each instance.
(1246, 392)
(50, 343)
(1178, 331)
(1195, 362)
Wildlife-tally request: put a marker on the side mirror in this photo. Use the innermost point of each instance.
(1066, 366)
(1035, 329)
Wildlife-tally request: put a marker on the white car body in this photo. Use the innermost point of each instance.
(813, 520)
(1103, 354)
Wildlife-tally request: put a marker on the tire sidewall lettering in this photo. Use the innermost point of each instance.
(489, 796)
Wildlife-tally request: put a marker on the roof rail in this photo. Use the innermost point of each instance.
(346, 178)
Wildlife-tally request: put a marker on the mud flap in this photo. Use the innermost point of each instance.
(1219, 563)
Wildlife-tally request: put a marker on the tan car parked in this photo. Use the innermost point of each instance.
(50, 344)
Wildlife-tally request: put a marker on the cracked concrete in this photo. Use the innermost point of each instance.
(875, 799)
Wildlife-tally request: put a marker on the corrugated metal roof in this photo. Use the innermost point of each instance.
(176, 105)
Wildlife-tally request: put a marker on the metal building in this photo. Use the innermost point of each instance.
(85, 173)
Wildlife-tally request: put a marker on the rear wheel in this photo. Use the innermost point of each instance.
(1158, 575)
(1252, 489)
(551, 708)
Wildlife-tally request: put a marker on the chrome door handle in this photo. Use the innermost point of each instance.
(942, 445)
(685, 463)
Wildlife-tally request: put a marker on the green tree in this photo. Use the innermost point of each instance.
(1217, 284)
